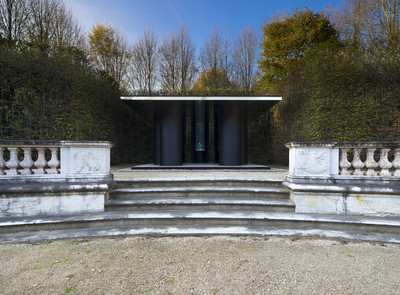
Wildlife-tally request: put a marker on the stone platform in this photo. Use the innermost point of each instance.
(124, 172)
(201, 166)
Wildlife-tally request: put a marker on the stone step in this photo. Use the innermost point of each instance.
(198, 182)
(199, 192)
(208, 204)
(222, 219)
(87, 233)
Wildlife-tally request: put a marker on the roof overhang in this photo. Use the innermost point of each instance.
(208, 98)
(144, 105)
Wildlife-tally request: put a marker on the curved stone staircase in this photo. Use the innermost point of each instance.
(196, 207)
(210, 195)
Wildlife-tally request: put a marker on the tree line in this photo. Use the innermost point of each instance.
(170, 65)
(338, 71)
(153, 64)
(42, 24)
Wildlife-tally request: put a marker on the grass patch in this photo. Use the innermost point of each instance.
(70, 289)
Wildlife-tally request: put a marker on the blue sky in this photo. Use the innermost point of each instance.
(198, 16)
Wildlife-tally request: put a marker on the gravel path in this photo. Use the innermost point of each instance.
(200, 265)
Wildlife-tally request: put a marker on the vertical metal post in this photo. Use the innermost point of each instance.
(171, 133)
(184, 132)
(216, 131)
(243, 121)
(156, 122)
(230, 133)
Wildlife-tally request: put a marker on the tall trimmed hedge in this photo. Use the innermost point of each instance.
(59, 96)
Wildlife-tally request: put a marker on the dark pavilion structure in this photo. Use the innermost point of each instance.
(227, 116)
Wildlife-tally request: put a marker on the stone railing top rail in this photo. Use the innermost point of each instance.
(362, 144)
(310, 144)
(54, 143)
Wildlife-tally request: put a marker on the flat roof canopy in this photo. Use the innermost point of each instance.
(144, 105)
(201, 97)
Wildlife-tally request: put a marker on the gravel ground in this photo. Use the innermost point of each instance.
(200, 265)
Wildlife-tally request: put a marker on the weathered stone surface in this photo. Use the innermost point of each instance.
(319, 159)
(321, 203)
(51, 204)
(80, 187)
(43, 198)
(315, 185)
(85, 157)
(373, 205)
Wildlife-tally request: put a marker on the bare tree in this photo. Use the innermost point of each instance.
(187, 61)
(226, 53)
(245, 53)
(383, 22)
(373, 22)
(41, 28)
(144, 62)
(67, 32)
(215, 56)
(177, 62)
(169, 72)
(14, 16)
(121, 57)
(43, 23)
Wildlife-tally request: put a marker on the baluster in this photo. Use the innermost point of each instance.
(2, 162)
(13, 163)
(370, 163)
(54, 163)
(357, 163)
(384, 163)
(344, 163)
(27, 163)
(396, 162)
(40, 162)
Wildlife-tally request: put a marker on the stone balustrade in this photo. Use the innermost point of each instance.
(344, 158)
(53, 177)
(370, 159)
(345, 177)
(29, 157)
(40, 158)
